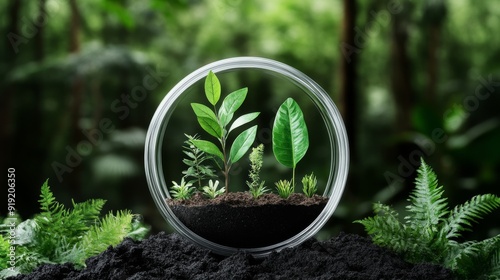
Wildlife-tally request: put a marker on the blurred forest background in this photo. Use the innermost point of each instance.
(411, 78)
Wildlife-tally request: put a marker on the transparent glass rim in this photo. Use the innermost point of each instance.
(339, 155)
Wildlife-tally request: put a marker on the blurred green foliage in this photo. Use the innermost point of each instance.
(80, 82)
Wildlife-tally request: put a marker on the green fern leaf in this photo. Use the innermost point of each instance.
(464, 215)
(495, 264)
(89, 210)
(47, 199)
(427, 205)
(111, 231)
(427, 234)
(385, 228)
(479, 260)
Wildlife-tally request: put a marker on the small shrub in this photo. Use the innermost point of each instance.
(309, 183)
(285, 188)
(211, 190)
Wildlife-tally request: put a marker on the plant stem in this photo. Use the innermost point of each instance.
(293, 177)
(226, 163)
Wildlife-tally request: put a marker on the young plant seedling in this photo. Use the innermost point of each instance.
(215, 122)
(309, 183)
(211, 190)
(182, 191)
(195, 159)
(290, 136)
(255, 185)
(430, 230)
(285, 188)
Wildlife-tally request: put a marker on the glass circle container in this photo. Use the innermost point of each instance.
(334, 130)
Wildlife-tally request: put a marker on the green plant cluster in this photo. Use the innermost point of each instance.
(60, 235)
(432, 232)
(255, 185)
(215, 122)
(290, 144)
(195, 161)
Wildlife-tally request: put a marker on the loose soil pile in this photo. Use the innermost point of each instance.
(163, 256)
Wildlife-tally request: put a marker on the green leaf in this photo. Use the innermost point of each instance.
(202, 111)
(242, 143)
(212, 88)
(208, 147)
(111, 231)
(462, 216)
(207, 119)
(427, 205)
(211, 126)
(230, 104)
(290, 136)
(243, 120)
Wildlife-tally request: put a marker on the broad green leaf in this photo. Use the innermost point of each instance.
(211, 126)
(212, 88)
(202, 111)
(208, 147)
(230, 104)
(290, 136)
(243, 120)
(207, 119)
(242, 143)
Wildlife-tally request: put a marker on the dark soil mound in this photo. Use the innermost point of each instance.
(165, 256)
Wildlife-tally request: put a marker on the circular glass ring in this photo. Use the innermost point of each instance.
(339, 157)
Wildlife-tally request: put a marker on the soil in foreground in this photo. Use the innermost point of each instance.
(169, 256)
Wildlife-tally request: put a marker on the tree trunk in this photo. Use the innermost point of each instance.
(348, 94)
(8, 91)
(432, 66)
(348, 98)
(37, 89)
(401, 74)
(76, 99)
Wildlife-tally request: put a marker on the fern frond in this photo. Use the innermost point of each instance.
(82, 217)
(479, 260)
(462, 216)
(427, 234)
(89, 210)
(427, 205)
(385, 228)
(495, 264)
(111, 231)
(47, 198)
